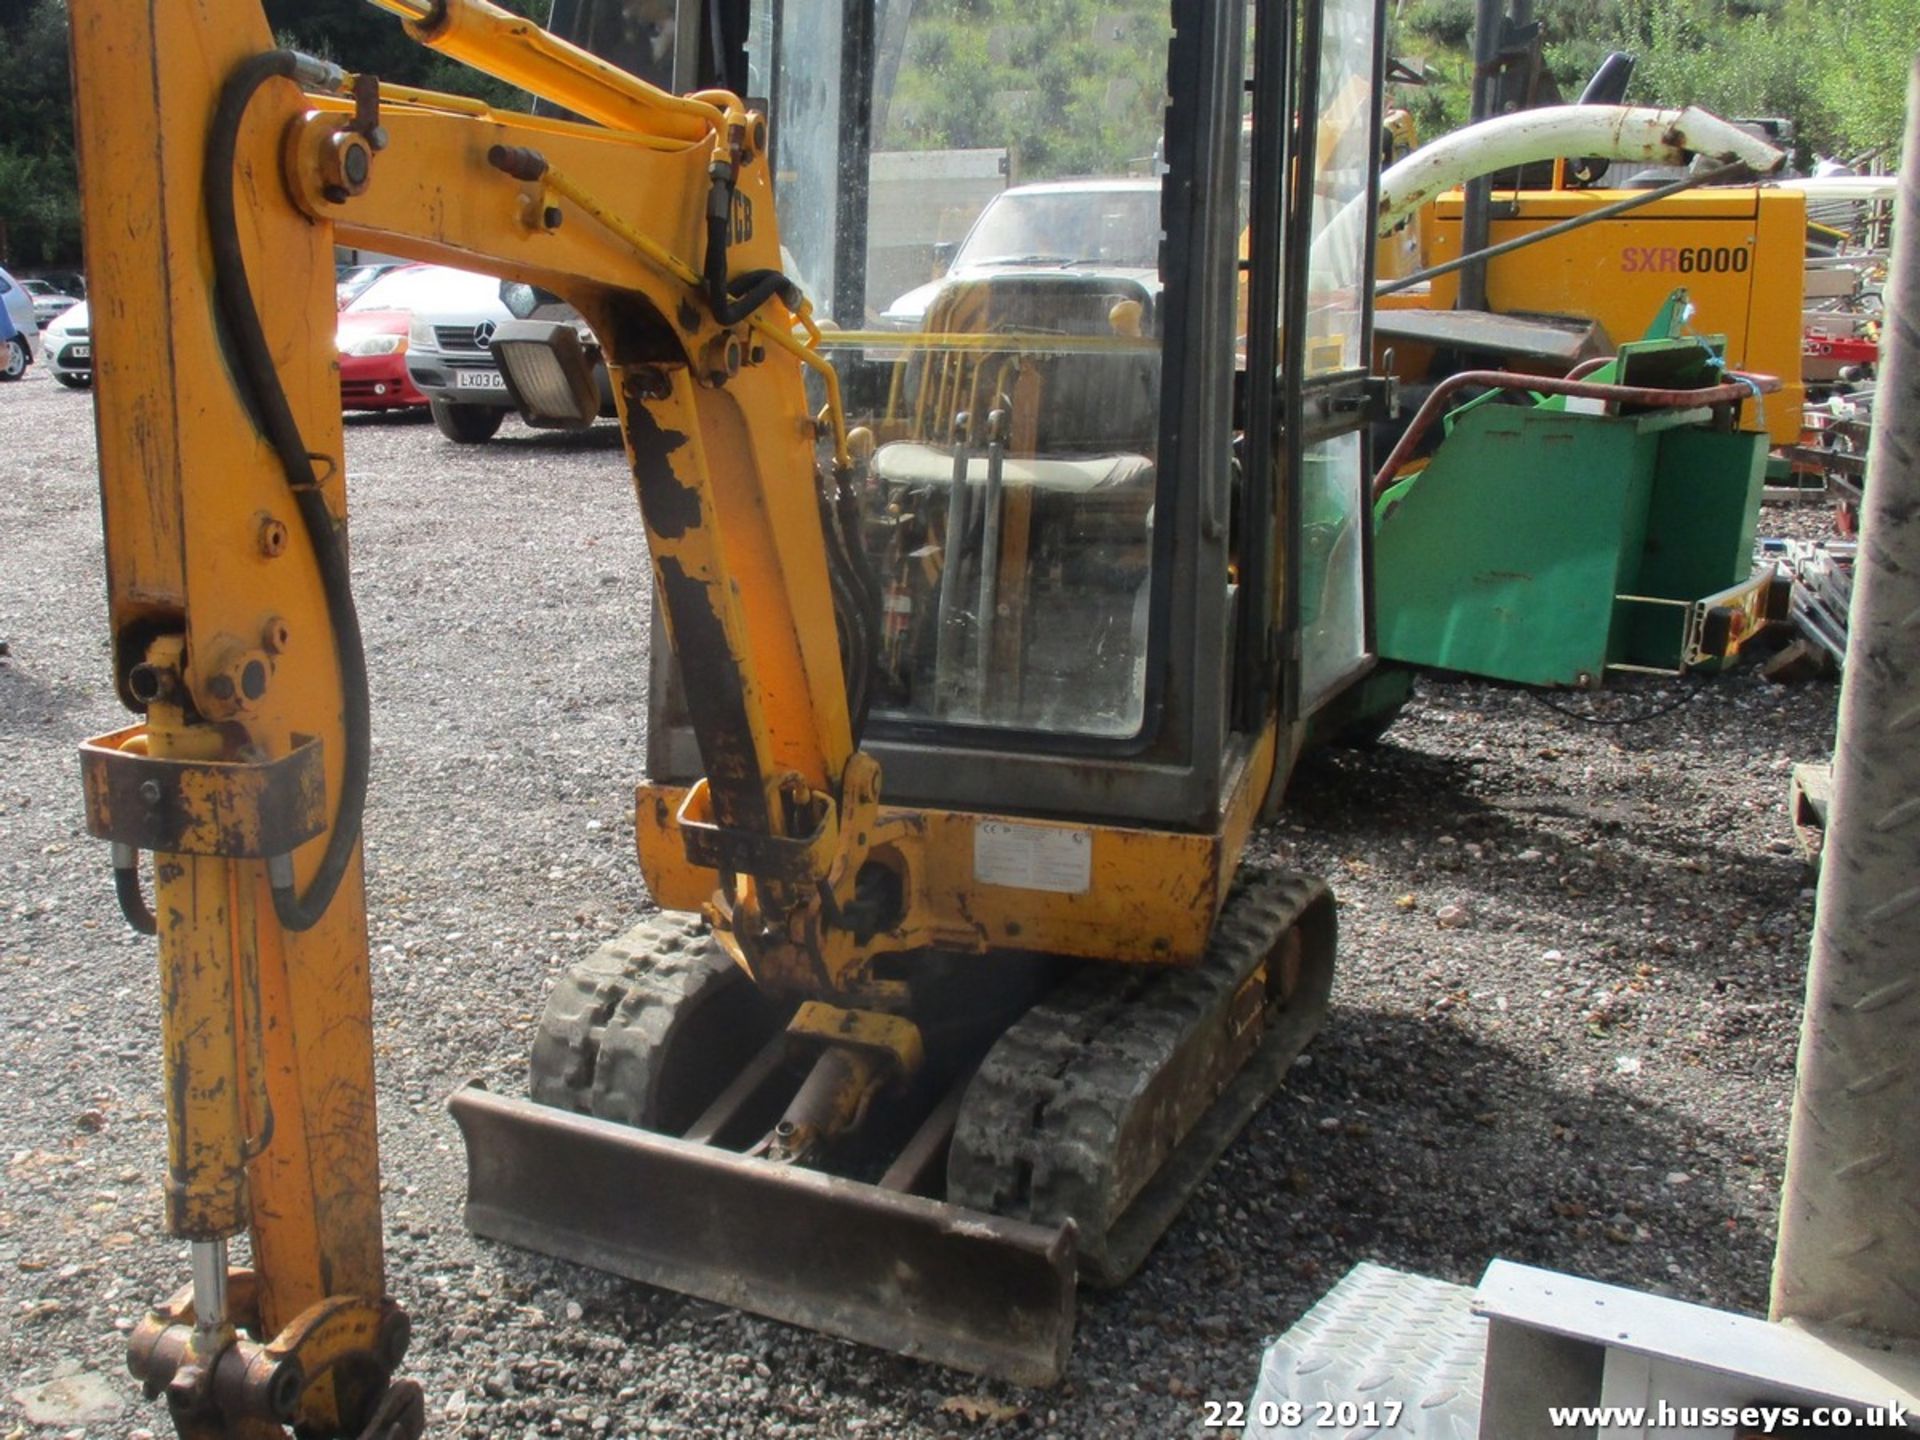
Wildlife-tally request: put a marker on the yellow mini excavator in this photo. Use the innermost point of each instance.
(994, 634)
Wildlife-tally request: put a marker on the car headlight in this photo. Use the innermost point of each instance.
(373, 345)
(420, 333)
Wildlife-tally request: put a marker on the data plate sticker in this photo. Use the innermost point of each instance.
(1033, 857)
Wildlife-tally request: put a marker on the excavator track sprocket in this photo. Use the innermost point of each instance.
(1109, 1100)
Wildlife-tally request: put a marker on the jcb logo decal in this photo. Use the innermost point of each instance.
(742, 218)
(1687, 260)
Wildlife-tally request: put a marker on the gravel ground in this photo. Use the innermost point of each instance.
(1564, 1027)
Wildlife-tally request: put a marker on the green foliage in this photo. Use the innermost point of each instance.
(1070, 87)
(354, 34)
(1076, 86)
(1836, 68)
(39, 205)
(1694, 53)
(1446, 23)
(1865, 93)
(39, 187)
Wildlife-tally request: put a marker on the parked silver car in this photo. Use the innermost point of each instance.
(1088, 226)
(455, 313)
(448, 358)
(19, 331)
(68, 345)
(49, 300)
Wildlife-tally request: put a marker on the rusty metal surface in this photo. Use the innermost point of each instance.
(907, 1274)
(401, 1415)
(230, 1381)
(1564, 341)
(1816, 458)
(792, 860)
(203, 807)
(1809, 800)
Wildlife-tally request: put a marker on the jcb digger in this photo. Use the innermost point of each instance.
(991, 645)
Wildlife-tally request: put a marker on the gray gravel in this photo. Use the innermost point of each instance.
(1564, 1029)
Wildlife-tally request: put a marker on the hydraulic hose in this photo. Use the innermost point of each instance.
(736, 299)
(856, 602)
(250, 364)
(126, 887)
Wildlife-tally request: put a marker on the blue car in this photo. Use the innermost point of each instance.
(18, 328)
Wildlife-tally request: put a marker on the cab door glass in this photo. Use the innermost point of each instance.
(1333, 601)
(1343, 166)
(1332, 574)
(1006, 356)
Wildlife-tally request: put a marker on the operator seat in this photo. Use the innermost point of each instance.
(1083, 420)
(1045, 625)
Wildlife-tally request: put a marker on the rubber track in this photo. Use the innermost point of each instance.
(602, 1042)
(1053, 1103)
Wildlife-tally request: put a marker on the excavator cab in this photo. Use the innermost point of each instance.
(1108, 557)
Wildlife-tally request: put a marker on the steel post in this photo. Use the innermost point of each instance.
(1476, 221)
(1849, 1249)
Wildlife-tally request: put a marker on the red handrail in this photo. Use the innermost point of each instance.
(1739, 388)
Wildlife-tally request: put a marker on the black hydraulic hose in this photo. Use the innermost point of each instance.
(748, 292)
(847, 503)
(250, 363)
(867, 584)
(733, 301)
(126, 887)
(856, 590)
(856, 616)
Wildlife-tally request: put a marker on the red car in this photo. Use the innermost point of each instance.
(372, 338)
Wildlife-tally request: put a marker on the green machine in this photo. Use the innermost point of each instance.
(1602, 525)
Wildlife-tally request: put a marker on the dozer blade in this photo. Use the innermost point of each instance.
(897, 1271)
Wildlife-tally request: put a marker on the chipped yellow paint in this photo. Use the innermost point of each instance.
(1151, 896)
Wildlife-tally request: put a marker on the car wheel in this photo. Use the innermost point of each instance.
(14, 359)
(73, 382)
(468, 424)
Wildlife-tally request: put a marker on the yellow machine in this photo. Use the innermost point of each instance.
(993, 641)
(1738, 251)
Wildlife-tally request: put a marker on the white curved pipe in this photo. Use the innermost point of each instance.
(1608, 132)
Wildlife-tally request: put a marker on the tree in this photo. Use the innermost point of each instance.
(354, 34)
(39, 199)
(1745, 62)
(39, 185)
(1071, 87)
(1836, 68)
(1864, 85)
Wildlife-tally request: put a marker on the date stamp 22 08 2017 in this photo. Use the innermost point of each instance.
(1338, 1415)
